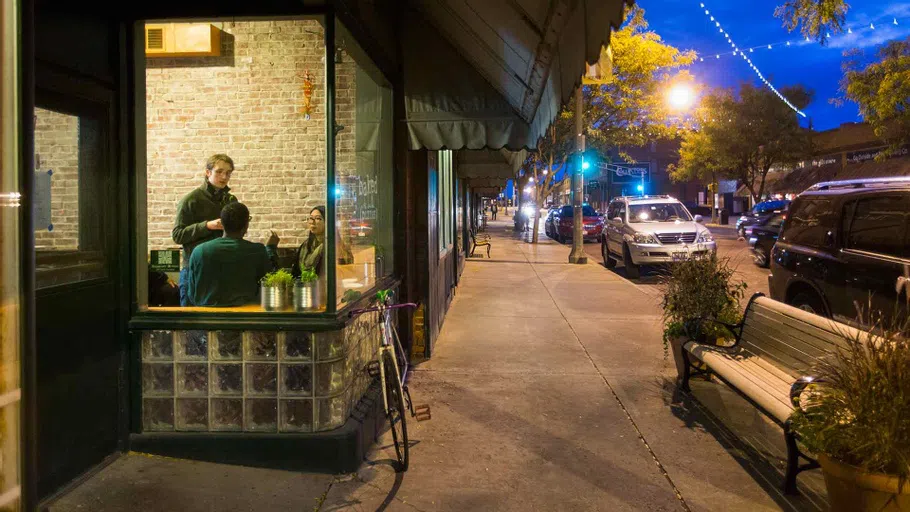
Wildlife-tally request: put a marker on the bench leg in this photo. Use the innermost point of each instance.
(687, 371)
(488, 251)
(793, 456)
(792, 461)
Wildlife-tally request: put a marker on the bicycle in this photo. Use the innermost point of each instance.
(396, 398)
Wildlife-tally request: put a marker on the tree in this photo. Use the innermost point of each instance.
(743, 137)
(882, 91)
(628, 111)
(631, 109)
(816, 19)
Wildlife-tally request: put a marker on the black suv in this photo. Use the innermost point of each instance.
(844, 247)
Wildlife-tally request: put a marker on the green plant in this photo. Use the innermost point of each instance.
(696, 291)
(278, 278)
(858, 412)
(307, 275)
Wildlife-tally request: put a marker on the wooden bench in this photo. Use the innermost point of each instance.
(770, 364)
(480, 241)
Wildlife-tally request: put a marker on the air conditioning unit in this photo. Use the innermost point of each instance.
(182, 40)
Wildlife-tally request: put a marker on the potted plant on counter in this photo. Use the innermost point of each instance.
(695, 292)
(856, 419)
(307, 291)
(275, 288)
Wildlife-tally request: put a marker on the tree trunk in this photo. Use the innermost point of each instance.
(534, 235)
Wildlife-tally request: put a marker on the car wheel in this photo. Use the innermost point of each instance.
(762, 256)
(808, 302)
(633, 271)
(609, 262)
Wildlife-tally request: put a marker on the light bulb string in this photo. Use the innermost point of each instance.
(873, 25)
(752, 65)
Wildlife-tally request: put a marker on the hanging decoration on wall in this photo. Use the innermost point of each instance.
(308, 88)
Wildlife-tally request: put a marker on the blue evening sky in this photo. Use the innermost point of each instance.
(684, 24)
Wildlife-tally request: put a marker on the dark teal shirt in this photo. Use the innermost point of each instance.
(226, 272)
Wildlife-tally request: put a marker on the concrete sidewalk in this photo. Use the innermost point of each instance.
(549, 390)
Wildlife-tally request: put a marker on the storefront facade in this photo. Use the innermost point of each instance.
(358, 110)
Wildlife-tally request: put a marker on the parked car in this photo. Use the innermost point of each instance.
(652, 230)
(760, 213)
(763, 237)
(563, 223)
(844, 248)
(548, 223)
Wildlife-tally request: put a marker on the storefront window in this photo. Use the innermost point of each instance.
(10, 393)
(363, 171)
(235, 113)
(69, 176)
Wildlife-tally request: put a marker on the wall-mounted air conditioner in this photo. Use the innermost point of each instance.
(182, 40)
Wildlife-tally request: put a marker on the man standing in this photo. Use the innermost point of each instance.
(494, 209)
(226, 271)
(198, 213)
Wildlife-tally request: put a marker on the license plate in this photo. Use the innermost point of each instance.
(680, 256)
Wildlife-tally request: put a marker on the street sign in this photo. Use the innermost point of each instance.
(631, 173)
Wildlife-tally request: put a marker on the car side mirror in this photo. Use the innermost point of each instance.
(617, 221)
(699, 219)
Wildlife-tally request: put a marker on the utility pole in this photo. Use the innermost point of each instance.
(578, 187)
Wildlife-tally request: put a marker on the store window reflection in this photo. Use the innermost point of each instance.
(364, 182)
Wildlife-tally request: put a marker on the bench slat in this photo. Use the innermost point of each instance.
(762, 392)
(826, 339)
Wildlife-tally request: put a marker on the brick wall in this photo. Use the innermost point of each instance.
(247, 104)
(57, 147)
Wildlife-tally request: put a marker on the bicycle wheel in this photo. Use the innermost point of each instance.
(396, 412)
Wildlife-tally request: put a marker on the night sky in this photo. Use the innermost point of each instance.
(684, 24)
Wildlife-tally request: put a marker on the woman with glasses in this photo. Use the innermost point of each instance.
(310, 253)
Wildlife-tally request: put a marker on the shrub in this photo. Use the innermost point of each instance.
(698, 290)
(858, 412)
(308, 275)
(278, 278)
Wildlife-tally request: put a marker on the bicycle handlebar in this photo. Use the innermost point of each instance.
(377, 308)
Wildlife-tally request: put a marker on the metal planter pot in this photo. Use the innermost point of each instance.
(274, 298)
(307, 296)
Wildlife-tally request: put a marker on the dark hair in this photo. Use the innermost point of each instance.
(321, 210)
(235, 217)
(220, 157)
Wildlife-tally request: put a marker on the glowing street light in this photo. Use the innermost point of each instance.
(585, 165)
(681, 96)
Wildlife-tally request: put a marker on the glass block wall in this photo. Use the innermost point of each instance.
(255, 381)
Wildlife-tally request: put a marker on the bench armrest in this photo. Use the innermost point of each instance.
(735, 329)
(797, 388)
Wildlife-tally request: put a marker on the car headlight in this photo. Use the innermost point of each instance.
(642, 238)
(704, 237)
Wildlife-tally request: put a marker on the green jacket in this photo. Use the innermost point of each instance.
(226, 272)
(194, 210)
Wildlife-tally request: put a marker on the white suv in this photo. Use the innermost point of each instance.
(652, 230)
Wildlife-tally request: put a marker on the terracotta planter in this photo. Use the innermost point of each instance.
(855, 490)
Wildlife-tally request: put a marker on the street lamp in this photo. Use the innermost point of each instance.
(681, 96)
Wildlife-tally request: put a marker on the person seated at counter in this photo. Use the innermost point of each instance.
(310, 252)
(226, 271)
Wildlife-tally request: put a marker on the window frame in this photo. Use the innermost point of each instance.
(335, 316)
(849, 212)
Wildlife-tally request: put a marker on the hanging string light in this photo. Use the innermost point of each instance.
(753, 66)
(803, 42)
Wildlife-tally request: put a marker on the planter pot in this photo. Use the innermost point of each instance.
(307, 296)
(853, 489)
(274, 298)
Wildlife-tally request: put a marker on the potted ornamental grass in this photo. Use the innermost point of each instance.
(307, 291)
(699, 295)
(856, 418)
(275, 287)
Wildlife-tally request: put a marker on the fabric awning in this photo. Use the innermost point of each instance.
(491, 75)
(488, 164)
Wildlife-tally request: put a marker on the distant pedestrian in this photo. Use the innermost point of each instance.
(493, 210)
